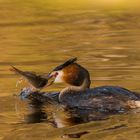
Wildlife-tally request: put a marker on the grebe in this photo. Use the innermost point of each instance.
(79, 94)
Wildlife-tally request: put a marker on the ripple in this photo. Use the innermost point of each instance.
(115, 56)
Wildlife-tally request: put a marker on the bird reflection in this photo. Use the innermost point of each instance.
(60, 118)
(37, 113)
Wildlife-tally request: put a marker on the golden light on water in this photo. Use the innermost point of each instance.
(37, 35)
(94, 3)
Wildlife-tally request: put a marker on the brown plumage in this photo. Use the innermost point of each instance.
(75, 74)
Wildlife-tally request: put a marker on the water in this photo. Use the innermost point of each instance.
(39, 35)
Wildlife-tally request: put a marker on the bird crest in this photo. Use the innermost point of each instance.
(65, 64)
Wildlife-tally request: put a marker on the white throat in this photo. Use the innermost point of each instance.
(59, 78)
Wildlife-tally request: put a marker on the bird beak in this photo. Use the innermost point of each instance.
(49, 83)
(51, 78)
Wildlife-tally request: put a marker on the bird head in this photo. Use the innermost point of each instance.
(59, 72)
(69, 72)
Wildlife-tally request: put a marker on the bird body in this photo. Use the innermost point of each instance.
(104, 98)
(79, 93)
(101, 99)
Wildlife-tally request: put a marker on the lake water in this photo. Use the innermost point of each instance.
(37, 35)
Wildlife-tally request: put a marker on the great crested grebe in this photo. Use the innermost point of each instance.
(79, 94)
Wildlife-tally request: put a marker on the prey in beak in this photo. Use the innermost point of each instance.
(35, 80)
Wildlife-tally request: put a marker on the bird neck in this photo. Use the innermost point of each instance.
(85, 85)
(70, 90)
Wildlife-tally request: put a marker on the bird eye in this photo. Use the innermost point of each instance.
(56, 74)
(53, 74)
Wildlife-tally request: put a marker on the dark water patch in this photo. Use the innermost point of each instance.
(75, 135)
(115, 127)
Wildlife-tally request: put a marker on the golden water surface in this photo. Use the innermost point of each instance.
(37, 35)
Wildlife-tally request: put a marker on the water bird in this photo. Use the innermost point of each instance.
(79, 94)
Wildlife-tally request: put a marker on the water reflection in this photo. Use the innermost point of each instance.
(46, 112)
(37, 113)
